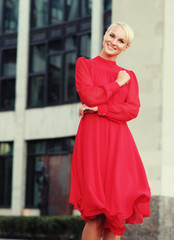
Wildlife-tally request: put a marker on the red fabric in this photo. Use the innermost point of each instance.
(107, 174)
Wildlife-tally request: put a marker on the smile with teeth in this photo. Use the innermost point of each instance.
(111, 47)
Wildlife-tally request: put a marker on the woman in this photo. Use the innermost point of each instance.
(108, 181)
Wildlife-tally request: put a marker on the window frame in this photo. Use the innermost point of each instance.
(76, 29)
(46, 153)
(8, 41)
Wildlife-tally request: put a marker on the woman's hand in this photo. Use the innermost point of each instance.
(122, 78)
(85, 109)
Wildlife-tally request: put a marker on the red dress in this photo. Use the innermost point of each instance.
(107, 174)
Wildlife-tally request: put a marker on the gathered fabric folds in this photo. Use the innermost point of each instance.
(107, 173)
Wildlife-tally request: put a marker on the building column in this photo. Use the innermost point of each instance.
(97, 27)
(167, 102)
(19, 159)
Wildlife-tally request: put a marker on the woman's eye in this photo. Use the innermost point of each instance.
(111, 35)
(121, 41)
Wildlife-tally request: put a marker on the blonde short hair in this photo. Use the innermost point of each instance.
(127, 28)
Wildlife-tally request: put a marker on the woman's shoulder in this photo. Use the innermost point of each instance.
(131, 72)
(83, 60)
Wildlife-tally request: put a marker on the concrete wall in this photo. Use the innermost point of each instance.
(145, 57)
(168, 105)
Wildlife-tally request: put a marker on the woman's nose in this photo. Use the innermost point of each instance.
(114, 41)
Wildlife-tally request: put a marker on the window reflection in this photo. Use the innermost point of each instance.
(40, 13)
(54, 79)
(71, 10)
(70, 43)
(1, 8)
(55, 46)
(9, 62)
(38, 58)
(107, 4)
(36, 148)
(7, 94)
(36, 91)
(57, 11)
(85, 45)
(69, 87)
(5, 180)
(11, 16)
(56, 155)
(86, 8)
(6, 148)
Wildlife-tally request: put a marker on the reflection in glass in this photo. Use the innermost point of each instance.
(40, 13)
(32, 186)
(57, 11)
(69, 84)
(38, 58)
(53, 90)
(70, 43)
(7, 94)
(86, 8)
(9, 62)
(36, 91)
(55, 146)
(5, 181)
(85, 45)
(71, 10)
(11, 16)
(107, 4)
(1, 5)
(60, 145)
(55, 46)
(37, 147)
(52, 152)
(6, 148)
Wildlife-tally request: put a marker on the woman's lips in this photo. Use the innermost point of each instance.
(111, 47)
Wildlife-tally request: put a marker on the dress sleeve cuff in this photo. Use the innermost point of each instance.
(102, 110)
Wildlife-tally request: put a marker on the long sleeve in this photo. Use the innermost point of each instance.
(125, 111)
(90, 94)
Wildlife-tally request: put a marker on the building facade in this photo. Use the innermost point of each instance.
(40, 43)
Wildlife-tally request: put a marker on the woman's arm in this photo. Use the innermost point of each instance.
(88, 92)
(123, 112)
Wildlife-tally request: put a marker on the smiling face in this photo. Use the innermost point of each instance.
(114, 42)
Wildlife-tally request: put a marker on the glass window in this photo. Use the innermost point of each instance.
(57, 11)
(1, 10)
(54, 78)
(9, 62)
(57, 159)
(55, 49)
(7, 94)
(71, 10)
(37, 147)
(107, 4)
(49, 12)
(70, 43)
(40, 13)
(11, 16)
(31, 184)
(86, 6)
(6, 151)
(38, 58)
(85, 45)
(55, 46)
(36, 97)
(69, 83)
